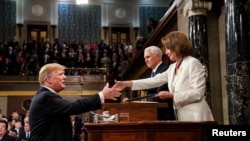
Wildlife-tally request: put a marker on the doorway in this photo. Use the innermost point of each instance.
(120, 34)
(37, 32)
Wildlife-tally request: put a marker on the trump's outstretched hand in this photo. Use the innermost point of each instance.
(111, 93)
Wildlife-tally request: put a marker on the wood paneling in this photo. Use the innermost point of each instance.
(149, 131)
(137, 111)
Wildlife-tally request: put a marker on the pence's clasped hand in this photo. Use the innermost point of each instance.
(164, 95)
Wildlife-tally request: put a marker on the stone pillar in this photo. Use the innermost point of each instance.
(197, 13)
(238, 61)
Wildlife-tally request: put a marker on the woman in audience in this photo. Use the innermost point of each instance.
(4, 134)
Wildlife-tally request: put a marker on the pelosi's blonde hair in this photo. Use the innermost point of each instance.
(179, 42)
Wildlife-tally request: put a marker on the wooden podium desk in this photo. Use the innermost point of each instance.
(143, 125)
(139, 111)
(148, 131)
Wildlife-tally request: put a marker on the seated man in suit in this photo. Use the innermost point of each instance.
(77, 126)
(24, 136)
(153, 60)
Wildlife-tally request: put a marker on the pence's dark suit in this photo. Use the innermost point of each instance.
(52, 113)
(162, 113)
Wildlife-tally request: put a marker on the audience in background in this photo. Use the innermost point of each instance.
(4, 132)
(1, 114)
(15, 127)
(77, 126)
(27, 58)
(151, 24)
(25, 135)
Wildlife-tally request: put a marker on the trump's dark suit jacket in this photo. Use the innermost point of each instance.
(162, 113)
(49, 115)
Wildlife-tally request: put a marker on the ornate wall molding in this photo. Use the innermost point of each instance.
(196, 7)
(37, 10)
(120, 13)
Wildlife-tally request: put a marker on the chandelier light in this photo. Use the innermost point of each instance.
(82, 1)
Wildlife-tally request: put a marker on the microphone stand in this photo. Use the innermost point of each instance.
(138, 98)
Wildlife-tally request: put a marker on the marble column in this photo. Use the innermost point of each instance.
(197, 12)
(238, 61)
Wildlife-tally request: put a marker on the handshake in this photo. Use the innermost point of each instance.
(115, 91)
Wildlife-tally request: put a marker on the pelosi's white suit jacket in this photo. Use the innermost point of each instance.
(188, 88)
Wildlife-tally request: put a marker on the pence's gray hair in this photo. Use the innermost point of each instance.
(154, 50)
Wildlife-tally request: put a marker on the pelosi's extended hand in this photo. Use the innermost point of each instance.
(122, 84)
